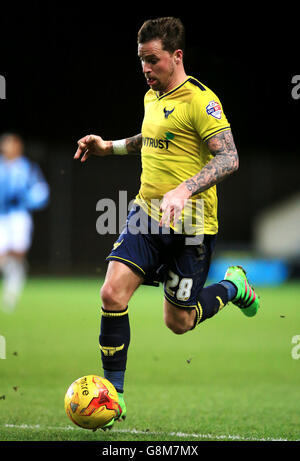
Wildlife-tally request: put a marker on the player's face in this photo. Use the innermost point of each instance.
(11, 147)
(158, 65)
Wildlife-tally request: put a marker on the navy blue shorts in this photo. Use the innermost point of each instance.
(159, 254)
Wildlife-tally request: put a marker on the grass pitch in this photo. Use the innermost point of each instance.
(233, 378)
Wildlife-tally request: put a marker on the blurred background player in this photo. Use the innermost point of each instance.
(23, 189)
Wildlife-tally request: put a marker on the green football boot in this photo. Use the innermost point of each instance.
(121, 413)
(246, 298)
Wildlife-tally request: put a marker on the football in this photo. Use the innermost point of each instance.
(91, 402)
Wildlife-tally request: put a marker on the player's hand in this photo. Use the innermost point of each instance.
(172, 205)
(92, 145)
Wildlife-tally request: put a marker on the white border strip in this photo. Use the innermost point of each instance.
(138, 432)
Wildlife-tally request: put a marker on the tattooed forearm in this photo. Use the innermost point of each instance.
(224, 163)
(134, 144)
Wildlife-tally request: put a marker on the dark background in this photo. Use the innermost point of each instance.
(73, 70)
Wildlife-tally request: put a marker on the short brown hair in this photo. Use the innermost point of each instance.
(15, 136)
(169, 30)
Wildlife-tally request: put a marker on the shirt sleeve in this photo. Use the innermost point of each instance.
(207, 115)
(37, 195)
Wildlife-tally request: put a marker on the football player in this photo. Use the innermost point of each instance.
(23, 189)
(187, 148)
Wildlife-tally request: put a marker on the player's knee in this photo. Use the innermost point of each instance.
(179, 327)
(110, 296)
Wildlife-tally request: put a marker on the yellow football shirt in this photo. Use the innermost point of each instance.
(175, 129)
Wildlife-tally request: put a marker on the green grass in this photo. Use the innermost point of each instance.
(231, 379)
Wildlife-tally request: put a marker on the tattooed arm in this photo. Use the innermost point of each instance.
(224, 163)
(134, 144)
(95, 145)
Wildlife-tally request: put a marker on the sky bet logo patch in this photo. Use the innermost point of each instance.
(214, 109)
